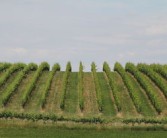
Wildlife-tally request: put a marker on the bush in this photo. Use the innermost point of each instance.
(129, 84)
(80, 86)
(55, 68)
(97, 87)
(44, 66)
(10, 71)
(11, 88)
(107, 70)
(150, 91)
(160, 82)
(64, 85)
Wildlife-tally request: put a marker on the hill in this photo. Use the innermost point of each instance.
(132, 95)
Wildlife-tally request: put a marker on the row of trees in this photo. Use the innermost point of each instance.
(55, 68)
(80, 87)
(155, 77)
(129, 84)
(112, 83)
(26, 94)
(64, 85)
(145, 84)
(97, 87)
(14, 85)
(10, 71)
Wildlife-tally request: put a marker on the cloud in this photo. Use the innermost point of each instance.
(160, 29)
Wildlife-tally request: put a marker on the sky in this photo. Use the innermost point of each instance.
(58, 31)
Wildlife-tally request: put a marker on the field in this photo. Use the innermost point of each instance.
(122, 97)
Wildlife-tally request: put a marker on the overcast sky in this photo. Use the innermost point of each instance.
(83, 30)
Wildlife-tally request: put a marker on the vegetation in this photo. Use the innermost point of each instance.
(8, 92)
(160, 82)
(152, 94)
(80, 86)
(107, 70)
(97, 87)
(55, 68)
(129, 84)
(31, 86)
(4, 66)
(8, 73)
(83, 97)
(64, 85)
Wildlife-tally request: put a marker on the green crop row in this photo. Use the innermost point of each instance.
(154, 76)
(129, 84)
(112, 83)
(97, 87)
(44, 66)
(80, 86)
(150, 91)
(64, 85)
(10, 71)
(4, 66)
(145, 120)
(55, 68)
(160, 69)
(48, 117)
(11, 88)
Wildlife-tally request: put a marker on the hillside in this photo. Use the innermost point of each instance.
(134, 94)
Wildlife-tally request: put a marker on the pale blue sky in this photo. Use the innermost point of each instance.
(83, 30)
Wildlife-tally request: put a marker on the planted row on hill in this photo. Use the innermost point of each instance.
(4, 66)
(97, 87)
(55, 68)
(80, 86)
(10, 71)
(64, 85)
(150, 91)
(12, 87)
(26, 94)
(129, 84)
(160, 69)
(107, 70)
(160, 82)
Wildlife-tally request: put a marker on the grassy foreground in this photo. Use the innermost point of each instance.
(66, 133)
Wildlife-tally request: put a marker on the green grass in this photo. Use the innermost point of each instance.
(33, 104)
(51, 132)
(14, 103)
(130, 110)
(71, 100)
(147, 108)
(53, 99)
(108, 104)
(158, 91)
(89, 93)
(8, 82)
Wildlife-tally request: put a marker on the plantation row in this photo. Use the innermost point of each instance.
(140, 81)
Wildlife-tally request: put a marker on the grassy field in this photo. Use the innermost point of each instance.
(66, 133)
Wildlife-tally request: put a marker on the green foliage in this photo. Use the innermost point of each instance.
(80, 86)
(11, 88)
(44, 66)
(97, 87)
(160, 82)
(10, 71)
(107, 70)
(128, 82)
(55, 68)
(64, 85)
(4, 66)
(161, 69)
(150, 91)
(145, 120)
